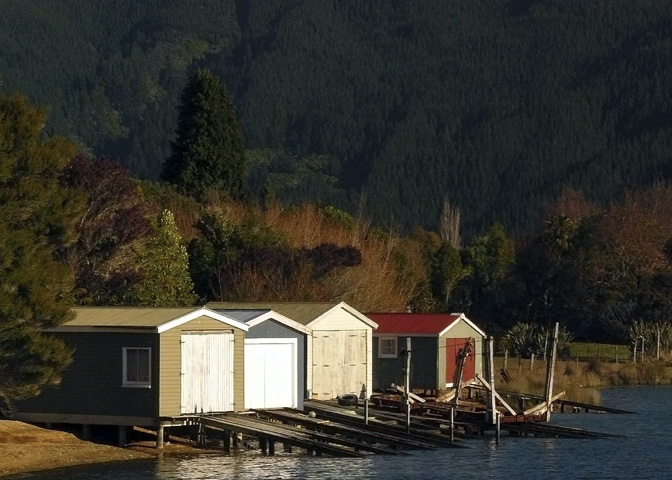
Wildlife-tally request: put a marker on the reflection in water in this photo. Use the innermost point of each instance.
(645, 453)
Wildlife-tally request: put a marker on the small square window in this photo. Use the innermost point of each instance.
(137, 364)
(387, 347)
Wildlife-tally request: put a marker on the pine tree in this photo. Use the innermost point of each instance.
(208, 153)
(36, 214)
(166, 267)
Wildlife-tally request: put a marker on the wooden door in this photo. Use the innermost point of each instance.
(453, 347)
(339, 362)
(207, 372)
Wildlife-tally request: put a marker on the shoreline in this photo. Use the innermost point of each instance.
(29, 449)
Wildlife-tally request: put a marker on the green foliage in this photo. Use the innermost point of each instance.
(208, 154)
(165, 265)
(36, 214)
(499, 105)
(446, 272)
(525, 339)
(114, 223)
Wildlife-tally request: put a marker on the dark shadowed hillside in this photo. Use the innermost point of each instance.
(496, 105)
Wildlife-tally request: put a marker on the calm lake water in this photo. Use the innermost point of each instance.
(646, 452)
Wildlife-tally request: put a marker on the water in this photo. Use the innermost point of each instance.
(645, 453)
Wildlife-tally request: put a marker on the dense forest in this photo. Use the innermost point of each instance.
(509, 161)
(497, 106)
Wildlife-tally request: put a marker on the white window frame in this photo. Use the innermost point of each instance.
(381, 342)
(136, 384)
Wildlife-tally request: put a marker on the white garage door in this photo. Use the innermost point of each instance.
(339, 363)
(270, 373)
(207, 372)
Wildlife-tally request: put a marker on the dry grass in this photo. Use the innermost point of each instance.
(581, 380)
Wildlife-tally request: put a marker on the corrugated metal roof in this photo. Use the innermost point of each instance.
(139, 317)
(419, 323)
(301, 312)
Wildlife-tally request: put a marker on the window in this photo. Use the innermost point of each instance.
(137, 367)
(387, 347)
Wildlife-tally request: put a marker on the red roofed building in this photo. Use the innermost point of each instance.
(436, 340)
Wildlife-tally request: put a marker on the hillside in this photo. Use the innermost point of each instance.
(496, 105)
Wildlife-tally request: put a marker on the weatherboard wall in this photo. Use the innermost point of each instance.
(91, 387)
(387, 371)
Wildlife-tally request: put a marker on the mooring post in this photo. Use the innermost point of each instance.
(263, 444)
(407, 385)
(550, 371)
(498, 428)
(452, 424)
(491, 373)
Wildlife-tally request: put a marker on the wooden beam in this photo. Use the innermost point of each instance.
(542, 406)
(412, 396)
(497, 395)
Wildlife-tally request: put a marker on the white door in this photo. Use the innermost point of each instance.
(270, 373)
(339, 363)
(207, 372)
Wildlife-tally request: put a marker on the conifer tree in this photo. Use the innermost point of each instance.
(208, 153)
(166, 267)
(36, 214)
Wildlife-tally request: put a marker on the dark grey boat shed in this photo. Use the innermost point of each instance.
(143, 367)
(276, 358)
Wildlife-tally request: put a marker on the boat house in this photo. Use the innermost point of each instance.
(339, 351)
(436, 341)
(143, 366)
(276, 353)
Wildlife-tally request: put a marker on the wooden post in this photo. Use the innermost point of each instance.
(407, 384)
(227, 440)
(641, 349)
(491, 371)
(532, 363)
(159, 437)
(506, 358)
(616, 354)
(498, 428)
(122, 435)
(658, 342)
(271, 446)
(550, 371)
(452, 424)
(263, 444)
(634, 351)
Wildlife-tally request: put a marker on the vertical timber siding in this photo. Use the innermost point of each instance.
(342, 320)
(170, 381)
(461, 330)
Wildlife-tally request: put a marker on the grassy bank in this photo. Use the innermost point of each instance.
(581, 380)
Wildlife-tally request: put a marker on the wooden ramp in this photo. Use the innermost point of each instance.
(383, 423)
(269, 433)
(555, 431)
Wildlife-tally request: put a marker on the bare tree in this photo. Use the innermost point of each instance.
(450, 224)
